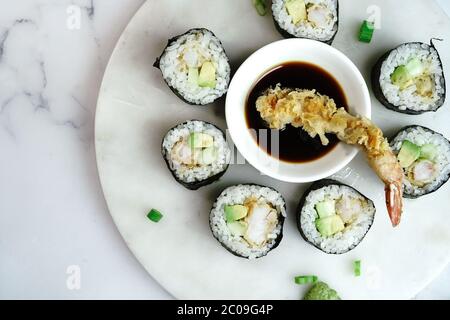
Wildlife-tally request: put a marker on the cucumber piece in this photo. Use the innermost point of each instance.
(237, 228)
(414, 67)
(198, 140)
(428, 151)
(366, 31)
(193, 76)
(260, 6)
(207, 156)
(326, 208)
(207, 77)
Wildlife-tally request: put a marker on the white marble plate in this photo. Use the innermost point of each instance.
(136, 108)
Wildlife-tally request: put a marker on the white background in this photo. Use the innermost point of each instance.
(52, 211)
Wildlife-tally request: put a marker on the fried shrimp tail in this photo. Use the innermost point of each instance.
(388, 169)
(318, 115)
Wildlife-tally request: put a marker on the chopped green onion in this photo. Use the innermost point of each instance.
(357, 268)
(305, 279)
(260, 6)
(366, 31)
(154, 215)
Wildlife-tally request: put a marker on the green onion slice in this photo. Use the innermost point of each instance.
(366, 31)
(154, 215)
(305, 279)
(260, 6)
(357, 268)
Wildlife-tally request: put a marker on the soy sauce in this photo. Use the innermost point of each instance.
(295, 145)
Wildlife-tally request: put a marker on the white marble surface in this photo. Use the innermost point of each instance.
(52, 212)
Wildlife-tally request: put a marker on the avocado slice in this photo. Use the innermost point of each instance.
(207, 77)
(297, 10)
(404, 75)
(326, 208)
(193, 76)
(409, 153)
(330, 225)
(198, 140)
(235, 212)
(401, 77)
(237, 228)
(428, 151)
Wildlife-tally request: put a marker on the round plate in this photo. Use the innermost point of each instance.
(135, 109)
(269, 57)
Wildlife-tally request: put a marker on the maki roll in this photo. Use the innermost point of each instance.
(334, 217)
(410, 79)
(425, 158)
(196, 153)
(195, 67)
(248, 220)
(311, 19)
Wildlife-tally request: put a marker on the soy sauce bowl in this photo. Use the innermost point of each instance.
(269, 57)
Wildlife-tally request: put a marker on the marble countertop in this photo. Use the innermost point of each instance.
(57, 239)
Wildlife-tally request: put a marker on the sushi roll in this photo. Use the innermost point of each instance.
(334, 217)
(311, 19)
(195, 67)
(410, 79)
(196, 153)
(425, 158)
(248, 220)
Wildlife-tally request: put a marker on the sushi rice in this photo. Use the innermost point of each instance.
(421, 136)
(238, 195)
(408, 99)
(192, 176)
(190, 50)
(307, 29)
(352, 235)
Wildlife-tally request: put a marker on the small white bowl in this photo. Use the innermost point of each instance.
(265, 59)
